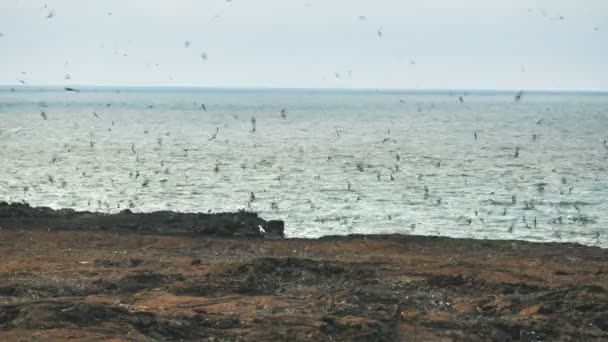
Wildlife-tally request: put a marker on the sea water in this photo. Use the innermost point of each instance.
(335, 162)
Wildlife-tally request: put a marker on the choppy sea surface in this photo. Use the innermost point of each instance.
(334, 162)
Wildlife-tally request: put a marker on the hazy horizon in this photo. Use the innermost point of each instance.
(421, 91)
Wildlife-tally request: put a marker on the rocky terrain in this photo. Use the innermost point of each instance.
(239, 224)
(139, 284)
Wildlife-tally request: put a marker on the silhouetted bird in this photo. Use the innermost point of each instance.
(475, 135)
(95, 114)
(460, 99)
(283, 113)
(71, 89)
(214, 136)
(43, 115)
(516, 152)
(203, 107)
(518, 96)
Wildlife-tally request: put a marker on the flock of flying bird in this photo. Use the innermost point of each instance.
(349, 187)
(283, 114)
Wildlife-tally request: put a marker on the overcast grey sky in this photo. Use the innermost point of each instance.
(430, 44)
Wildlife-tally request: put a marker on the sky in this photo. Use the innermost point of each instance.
(377, 44)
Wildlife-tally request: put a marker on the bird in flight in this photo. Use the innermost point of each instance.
(518, 96)
(214, 136)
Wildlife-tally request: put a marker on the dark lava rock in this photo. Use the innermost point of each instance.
(238, 224)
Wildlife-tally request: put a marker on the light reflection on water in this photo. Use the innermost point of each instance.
(339, 163)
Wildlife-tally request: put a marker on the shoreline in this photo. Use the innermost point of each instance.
(232, 225)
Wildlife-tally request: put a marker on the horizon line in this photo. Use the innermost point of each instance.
(356, 89)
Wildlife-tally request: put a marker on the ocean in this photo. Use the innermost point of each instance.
(327, 162)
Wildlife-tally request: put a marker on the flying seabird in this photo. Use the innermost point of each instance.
(217, 129)
(518, 96)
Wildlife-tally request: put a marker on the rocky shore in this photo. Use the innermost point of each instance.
(163, 277)
(238, 224)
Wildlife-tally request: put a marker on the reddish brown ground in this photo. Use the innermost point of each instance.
(62, 285)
